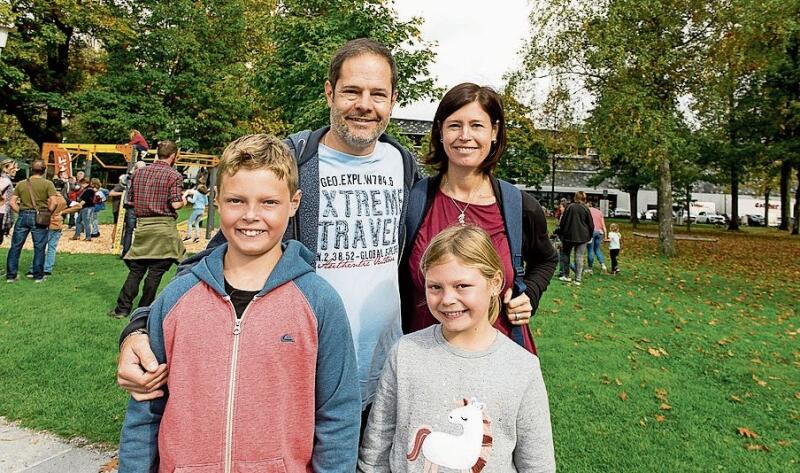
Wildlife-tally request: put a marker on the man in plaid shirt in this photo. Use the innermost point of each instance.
(156, 194)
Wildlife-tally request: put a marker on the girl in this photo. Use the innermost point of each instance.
(199, 202)
(614, 245)
(462, 371)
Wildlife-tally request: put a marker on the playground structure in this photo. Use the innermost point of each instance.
(60, 157)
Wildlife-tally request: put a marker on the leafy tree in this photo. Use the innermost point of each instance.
(635, 58)
(305, 33)
(628, 178)
(727, 98)
(525, 161)
(50, 56)
(184, 76)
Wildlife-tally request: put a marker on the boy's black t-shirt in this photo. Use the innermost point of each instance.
(239, 298)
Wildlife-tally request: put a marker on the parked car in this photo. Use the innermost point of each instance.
(755, 220)
(651, 214)
(708, 217)
(622, 213)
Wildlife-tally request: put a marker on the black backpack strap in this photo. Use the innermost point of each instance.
(512, 210)
(416, 208)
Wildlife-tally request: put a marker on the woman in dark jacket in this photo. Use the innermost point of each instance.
(576, 229)
(467, 141)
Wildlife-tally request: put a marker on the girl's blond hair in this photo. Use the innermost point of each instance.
(614, 227)
(471, 246)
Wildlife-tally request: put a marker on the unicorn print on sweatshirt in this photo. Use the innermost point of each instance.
(466, 453)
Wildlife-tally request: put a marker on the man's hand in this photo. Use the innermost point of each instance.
(138, 371)
(518, 309)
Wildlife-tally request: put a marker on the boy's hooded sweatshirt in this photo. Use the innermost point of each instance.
(277, 393)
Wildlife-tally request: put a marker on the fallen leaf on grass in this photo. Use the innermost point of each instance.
(664, 406)
(712, 322)
(619, 383)
(588, 336)
(797, 395)
(657, 352)
(756, 448)
(760, 382)
(110, 466)
(661, 394)
(723, 341)
(784, 443)
(623, 396)
(745, 432)
(735, 398)
(660, 418)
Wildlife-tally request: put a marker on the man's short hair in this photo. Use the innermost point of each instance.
(259, 151)
(38, 167)
(166, 148)
(359, 47)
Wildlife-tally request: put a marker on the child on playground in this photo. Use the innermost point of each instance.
(460, 394)
(280, 391)
(197, 197)
(614, 245)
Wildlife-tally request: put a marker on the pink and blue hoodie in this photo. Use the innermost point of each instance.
(278, 392)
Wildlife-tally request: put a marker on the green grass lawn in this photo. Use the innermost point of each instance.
(654, 369)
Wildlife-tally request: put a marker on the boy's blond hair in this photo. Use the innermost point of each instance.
(472, 247)
(259, 151)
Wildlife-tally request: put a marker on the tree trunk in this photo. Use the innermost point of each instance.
(766, 208)
(634, 195)
(734, 223)
(666, 237)
(786, 177)
(796, 226)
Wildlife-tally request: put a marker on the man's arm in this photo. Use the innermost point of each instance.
(14, 202)
(138, 370)
(138, 450)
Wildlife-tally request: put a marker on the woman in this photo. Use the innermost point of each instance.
(576, 228)
(8, 168)
(467, 142)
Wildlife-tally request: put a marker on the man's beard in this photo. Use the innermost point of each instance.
(340, 128)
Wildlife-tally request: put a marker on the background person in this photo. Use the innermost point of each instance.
(7, 170)
(576, 229)
(467, 142)
(199, 201)
(100, 197)
(138, 142)
(85, 198)
(595, 246)
(29, 197)
(60, 209)
(157, 195)
(614, 246)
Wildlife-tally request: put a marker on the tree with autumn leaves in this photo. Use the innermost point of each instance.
(641, 61)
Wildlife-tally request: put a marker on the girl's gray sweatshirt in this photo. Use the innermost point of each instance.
(460, 410)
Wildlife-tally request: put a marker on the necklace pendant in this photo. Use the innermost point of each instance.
(461, 219)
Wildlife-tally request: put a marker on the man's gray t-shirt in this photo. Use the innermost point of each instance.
(360, 201)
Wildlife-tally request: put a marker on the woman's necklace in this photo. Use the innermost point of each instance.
(462, 219)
